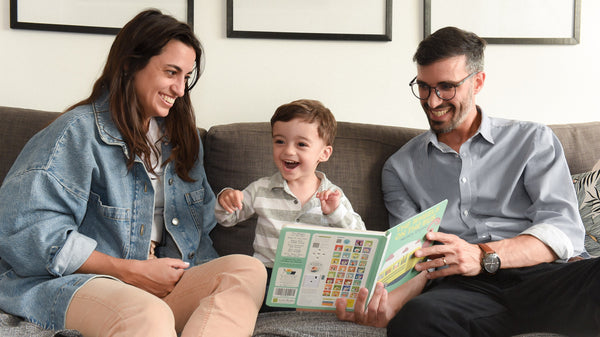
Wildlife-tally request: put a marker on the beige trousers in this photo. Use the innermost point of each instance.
(218, 298)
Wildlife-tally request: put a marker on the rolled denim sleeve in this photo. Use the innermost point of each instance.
(38, 226)
(73, 253)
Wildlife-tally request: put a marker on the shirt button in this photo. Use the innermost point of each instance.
(465, 212)
(463, 180)
(175, 221)
(296, 202)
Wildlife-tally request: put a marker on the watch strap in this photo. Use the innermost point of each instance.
(486, 249)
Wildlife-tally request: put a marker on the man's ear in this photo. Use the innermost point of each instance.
(479, 80)
(326, 153)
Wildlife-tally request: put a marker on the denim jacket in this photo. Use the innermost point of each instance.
(69, 193)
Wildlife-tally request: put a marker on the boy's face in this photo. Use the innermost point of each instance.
(298, 149)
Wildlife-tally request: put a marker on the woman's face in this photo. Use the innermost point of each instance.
(163, 79)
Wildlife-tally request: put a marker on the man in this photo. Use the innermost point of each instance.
(501, 265)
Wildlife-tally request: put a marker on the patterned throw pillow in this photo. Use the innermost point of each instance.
(587, 186)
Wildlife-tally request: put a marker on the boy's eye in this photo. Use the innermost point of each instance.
(278, 141)
(302, 144)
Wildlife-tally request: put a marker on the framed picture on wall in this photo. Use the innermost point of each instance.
(508, 21)
(90, 16)
(310, 20)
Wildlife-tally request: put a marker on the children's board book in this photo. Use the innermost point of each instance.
(316, 265)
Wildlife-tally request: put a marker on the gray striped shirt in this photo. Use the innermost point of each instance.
(275, 205)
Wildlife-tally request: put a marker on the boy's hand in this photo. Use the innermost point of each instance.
(231, 200)
(330, 200)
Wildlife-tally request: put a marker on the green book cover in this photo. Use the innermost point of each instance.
(315, 265)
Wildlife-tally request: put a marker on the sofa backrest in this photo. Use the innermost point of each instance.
(581, 143)
(17, 126)
(237, 154)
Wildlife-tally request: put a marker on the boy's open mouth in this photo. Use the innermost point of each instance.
(290, 164)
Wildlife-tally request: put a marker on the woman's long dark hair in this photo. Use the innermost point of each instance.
(139, 40)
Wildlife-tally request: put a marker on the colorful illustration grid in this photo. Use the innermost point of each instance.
(346, 272)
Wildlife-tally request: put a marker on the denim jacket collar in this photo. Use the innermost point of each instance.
(106, 127)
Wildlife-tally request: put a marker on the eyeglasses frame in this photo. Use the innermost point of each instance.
(437, 93)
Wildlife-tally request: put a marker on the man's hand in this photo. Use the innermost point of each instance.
(231, 200)
(377, 314)
(383, 305)
(330, 200)
(460, 256)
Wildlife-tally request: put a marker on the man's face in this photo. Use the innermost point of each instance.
(446, 116)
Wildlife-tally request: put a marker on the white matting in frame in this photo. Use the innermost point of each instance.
(89, 16)
(310, 19)
(509, 21)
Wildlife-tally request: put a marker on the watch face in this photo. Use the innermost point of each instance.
(491, 263)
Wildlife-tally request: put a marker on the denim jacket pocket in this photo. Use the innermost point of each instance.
(110, 212)
(195, 201)
(110, 226)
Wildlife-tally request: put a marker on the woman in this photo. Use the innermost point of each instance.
(106, 209)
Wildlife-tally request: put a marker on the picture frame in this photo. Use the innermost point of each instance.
(90, 16)
(508, 21)
(356, 20)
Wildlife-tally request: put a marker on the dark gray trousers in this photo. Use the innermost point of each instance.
(550, 297)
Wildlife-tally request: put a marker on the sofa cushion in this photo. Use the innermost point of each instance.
(587, 186)
(310, 324)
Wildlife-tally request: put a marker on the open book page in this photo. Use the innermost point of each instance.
(404, 239)
(315, 265)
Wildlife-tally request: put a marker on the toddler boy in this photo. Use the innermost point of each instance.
(303, 132)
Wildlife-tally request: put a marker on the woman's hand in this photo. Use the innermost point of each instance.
(156, 276)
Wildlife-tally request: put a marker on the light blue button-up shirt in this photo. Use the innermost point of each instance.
(510, 178)
(69, 193)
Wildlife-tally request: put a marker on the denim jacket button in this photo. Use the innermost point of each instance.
(170, 181)
(175, 221)
(191, 255)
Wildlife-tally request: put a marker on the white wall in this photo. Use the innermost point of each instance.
(246, 79)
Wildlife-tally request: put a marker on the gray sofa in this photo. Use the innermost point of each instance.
(236, 154)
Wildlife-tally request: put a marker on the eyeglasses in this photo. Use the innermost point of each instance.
(445, 90)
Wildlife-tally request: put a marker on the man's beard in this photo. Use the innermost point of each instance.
(457, 119)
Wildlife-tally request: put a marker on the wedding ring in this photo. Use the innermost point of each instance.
(444, 260)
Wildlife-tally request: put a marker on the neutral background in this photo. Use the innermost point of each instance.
(367, 82)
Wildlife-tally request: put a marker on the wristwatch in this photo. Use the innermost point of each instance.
(490, 262)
